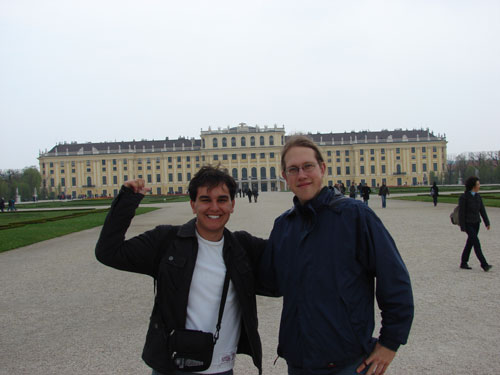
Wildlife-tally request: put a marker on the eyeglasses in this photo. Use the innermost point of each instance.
(307, 168)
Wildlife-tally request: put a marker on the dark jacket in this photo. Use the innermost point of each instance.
(168, 254)
(365, 192)
(384, 190)
(327, 261)
(471, 207)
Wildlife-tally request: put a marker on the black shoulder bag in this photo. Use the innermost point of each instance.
(192, 350)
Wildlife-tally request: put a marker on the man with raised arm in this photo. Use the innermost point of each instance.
(189, 264)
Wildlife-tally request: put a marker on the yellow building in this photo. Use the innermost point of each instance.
(251, 154)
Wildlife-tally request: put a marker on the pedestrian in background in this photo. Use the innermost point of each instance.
(434, 193)
(383, 192)
(471, 209)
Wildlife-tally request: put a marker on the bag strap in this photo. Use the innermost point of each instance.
(225, 290)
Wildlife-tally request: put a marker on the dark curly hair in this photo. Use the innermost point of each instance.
(470, 183)
(211, 177)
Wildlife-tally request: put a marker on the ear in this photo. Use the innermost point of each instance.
(233, 202)
(323, 168)
(284, 176)
(192, 207)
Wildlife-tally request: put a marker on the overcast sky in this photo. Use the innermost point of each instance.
(93, 71)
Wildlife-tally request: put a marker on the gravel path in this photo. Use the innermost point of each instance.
(62, 312)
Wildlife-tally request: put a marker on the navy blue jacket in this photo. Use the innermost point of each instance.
(327, 261)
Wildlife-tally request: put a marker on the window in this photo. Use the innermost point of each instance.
(372, 169)
(339, 172)
(125, 177)
(337, 153)
(234, 173)
(361, 152)
(271, 140)
(362, 169)
(261, 140)
(170, 177)
(124, 161)
(243, 156)
(224, 157)
(329, 171)
(197, 158)
(158, 177)
(273, 172)
(347, 170)
(189, 176)
(372, 151)
(262, 155)
(383, 168)
(103, 162)
(243, 141)
(382, 151)
(179, 177)
(435, 167)
(52, 182)
(263, 172)
(346, 152)
(254, 172)
(244, 174)
(233, 156)
(329, 153)
(434, 149)
(104, 180)
(188, 158)
(148, 160)
(72, 164)
(398, 150)
(139, 161)
(413, 167)
(169, 159)
(215, 143)
(253, 155)
(216, 157)
(115, 180)
(252, 141)
(233, 142)
(73, 181)
(423, 149)
(413, 150)
(150, 179)
(158, 190)
(89, 181)
(87, 163)
(178, 159)
(62, 170)
(271, 155)
(63, 181)
(424, 167)
(224, 142)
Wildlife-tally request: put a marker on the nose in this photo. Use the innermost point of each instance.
(301, 173)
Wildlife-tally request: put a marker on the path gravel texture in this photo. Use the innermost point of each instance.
(62, 312)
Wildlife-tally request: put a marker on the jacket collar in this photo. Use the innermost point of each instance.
(322, 199)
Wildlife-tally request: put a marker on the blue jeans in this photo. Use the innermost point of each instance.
(230, 372)
(383, 200)
(346, 370)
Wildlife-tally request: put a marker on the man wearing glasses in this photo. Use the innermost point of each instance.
(326, 256)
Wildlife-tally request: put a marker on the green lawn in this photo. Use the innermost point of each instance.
(28, 234)
(489, 199)
(102, 202)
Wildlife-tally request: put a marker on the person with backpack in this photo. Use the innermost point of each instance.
(434, 193)
(471, 209)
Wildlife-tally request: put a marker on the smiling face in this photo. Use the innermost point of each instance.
(212, 208)
(305, 185)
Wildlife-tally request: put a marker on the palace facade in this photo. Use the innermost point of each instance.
(251, 154)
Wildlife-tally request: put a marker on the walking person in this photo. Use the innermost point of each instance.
(352, 191)
(249, 194)
(383, 192)
(434, 193)
(471, 209)
(365, 193)
(2, 204)
(255, 195)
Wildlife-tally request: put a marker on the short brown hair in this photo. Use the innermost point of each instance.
(300, 141)
(211, 177)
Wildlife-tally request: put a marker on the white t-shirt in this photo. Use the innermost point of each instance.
(204, 301)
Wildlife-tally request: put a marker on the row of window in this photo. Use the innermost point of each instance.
(382, 151)
(243, 141)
